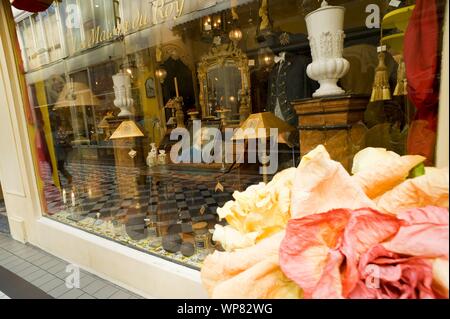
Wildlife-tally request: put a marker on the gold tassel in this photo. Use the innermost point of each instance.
(381, 90)
(402, 83)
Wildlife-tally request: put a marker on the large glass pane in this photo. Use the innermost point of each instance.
(106, 113)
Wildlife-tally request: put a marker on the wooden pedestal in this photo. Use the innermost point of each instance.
(334, 122)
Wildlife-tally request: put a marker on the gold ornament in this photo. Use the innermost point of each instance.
(402, 83)
(381, 90)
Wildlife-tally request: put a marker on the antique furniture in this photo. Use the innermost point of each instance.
(335, 122)
(224, 79)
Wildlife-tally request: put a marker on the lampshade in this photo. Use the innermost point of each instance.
(32, 5)
(127, 129)
(76, 94)
(264, 121)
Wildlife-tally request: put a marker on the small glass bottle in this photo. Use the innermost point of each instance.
(202, 236)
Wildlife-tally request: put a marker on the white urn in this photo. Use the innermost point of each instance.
(122, 90)
(326, 39)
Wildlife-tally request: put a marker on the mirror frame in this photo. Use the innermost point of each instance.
(219, 56)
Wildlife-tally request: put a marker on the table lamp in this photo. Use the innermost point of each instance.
(259, 126)
(76, 95)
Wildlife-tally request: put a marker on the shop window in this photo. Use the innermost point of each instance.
(41, 45)
(135, 72)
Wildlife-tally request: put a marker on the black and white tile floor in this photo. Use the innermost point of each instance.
(48, 273)
(110, 191)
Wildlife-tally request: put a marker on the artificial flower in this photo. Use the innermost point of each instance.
(322, 184)
(430, 189)
(252, 272)
(378, 171)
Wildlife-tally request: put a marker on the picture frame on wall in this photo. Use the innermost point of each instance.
(150, 88)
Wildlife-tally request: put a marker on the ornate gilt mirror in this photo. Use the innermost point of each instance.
(224, 79)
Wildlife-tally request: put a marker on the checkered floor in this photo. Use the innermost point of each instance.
(113, 191)
(130, 195)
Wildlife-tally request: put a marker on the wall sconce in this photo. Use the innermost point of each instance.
(235, 35)
(161, 74)
(213, 24)
(207, 24)
(266, 58)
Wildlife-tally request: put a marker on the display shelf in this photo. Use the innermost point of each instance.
(398, 18)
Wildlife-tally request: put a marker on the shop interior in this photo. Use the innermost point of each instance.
(102, 131)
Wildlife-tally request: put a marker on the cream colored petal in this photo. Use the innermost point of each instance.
(430, 189)
(377, 178)
(370, 157)
(322, 184)
(440, 276)
(231, 239)
(265, 280)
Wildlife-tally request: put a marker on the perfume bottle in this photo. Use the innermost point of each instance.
(151, 225)
(202, 236)
(162, 157)
(152, 158)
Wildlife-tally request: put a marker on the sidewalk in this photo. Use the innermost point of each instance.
(48, 274)
(4, 228)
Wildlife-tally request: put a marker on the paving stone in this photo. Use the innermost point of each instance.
(59, 291)
(120, 295)
(94, 286)
(4, 254)
(29, 254)
(62, 274)
(25, 252)
(50, 285)
(72, 294)
(43, 280)
(35, 275)
(105, 292)
(42, 261)
(11, 260)
(48, 273)
(38, 256)
(23, 265)
(28, 271)
(57, 268)
(86, 280)
(51, 263)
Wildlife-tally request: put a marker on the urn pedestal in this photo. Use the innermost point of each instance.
(335, 122)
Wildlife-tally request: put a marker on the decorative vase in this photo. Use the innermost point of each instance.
(152, 158)
(162, 157)
(122, 91)
(326, 38)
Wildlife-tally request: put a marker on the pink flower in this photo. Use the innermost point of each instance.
(387, 275)
(365, 254)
